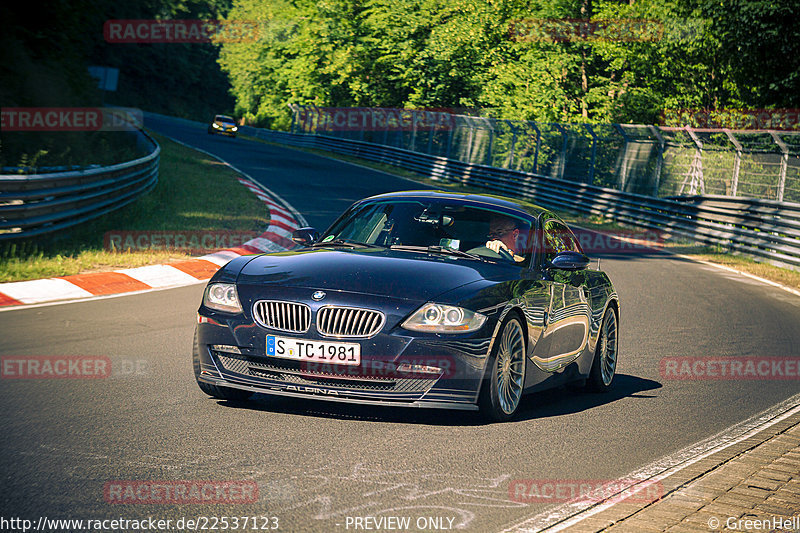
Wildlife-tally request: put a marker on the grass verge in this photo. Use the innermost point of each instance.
(711, 254)
(195, 192)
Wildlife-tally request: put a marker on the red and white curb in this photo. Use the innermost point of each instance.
(277, 238)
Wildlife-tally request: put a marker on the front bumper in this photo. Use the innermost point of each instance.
(376, 381)
(223, 131)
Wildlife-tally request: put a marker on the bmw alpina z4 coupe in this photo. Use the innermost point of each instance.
(419, 299)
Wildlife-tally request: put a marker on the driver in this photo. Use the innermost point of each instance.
(504, 234)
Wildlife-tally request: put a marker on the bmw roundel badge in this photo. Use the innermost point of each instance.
(317, 296)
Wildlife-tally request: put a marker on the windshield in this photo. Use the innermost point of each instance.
(223, 118)
(436, 225)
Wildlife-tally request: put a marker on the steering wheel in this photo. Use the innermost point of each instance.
(487, 252)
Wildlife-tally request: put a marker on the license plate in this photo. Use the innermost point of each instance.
(340, 353)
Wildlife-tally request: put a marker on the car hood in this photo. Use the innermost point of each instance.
(398, 274)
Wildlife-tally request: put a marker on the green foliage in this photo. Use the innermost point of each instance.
(474, 54)
(471, 54)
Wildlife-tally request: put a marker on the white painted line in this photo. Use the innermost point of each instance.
(741, 273)
(707, 263)
(42, 290)
(93, 298)
(159, 276)
(564, 516)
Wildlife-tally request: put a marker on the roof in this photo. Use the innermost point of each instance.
(486, 199)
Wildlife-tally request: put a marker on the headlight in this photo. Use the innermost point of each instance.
(215, 125)
(234, 128)
(440, 318)
(222, 297)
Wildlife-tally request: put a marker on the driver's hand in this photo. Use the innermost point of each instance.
(496, 246)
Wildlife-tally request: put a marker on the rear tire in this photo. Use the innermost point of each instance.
(604, 366)
(503, 383)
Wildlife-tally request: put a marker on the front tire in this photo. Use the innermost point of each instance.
(502, 387)
(604, 366)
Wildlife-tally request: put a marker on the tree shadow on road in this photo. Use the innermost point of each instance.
(554, 402)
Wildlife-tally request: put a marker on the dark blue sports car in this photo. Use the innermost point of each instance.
(420, 299)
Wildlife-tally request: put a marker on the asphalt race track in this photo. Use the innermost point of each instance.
(315, 463)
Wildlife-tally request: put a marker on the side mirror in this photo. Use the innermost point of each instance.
(569, 261)
(305, 236)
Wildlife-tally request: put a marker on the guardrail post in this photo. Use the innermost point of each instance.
(488, 160)
(469, 143)
(737, 161)
(536, 151)
(294, 117)
(696, 170)
(449, 141)
(562, 160)
(413, 146)
(659, 159)
(623, 177)
(315, 124)
(431, 129)
(510, 163)
(784, 163)
(594, 152)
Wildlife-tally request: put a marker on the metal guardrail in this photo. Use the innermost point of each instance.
(641, 159)
(763, 228)
(34, 204)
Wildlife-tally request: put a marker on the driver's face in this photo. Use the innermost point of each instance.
(504, 231)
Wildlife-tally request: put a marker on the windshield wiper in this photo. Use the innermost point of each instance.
(436, 249)
(345, 242)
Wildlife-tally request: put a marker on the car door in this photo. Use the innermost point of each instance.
(566, 322)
